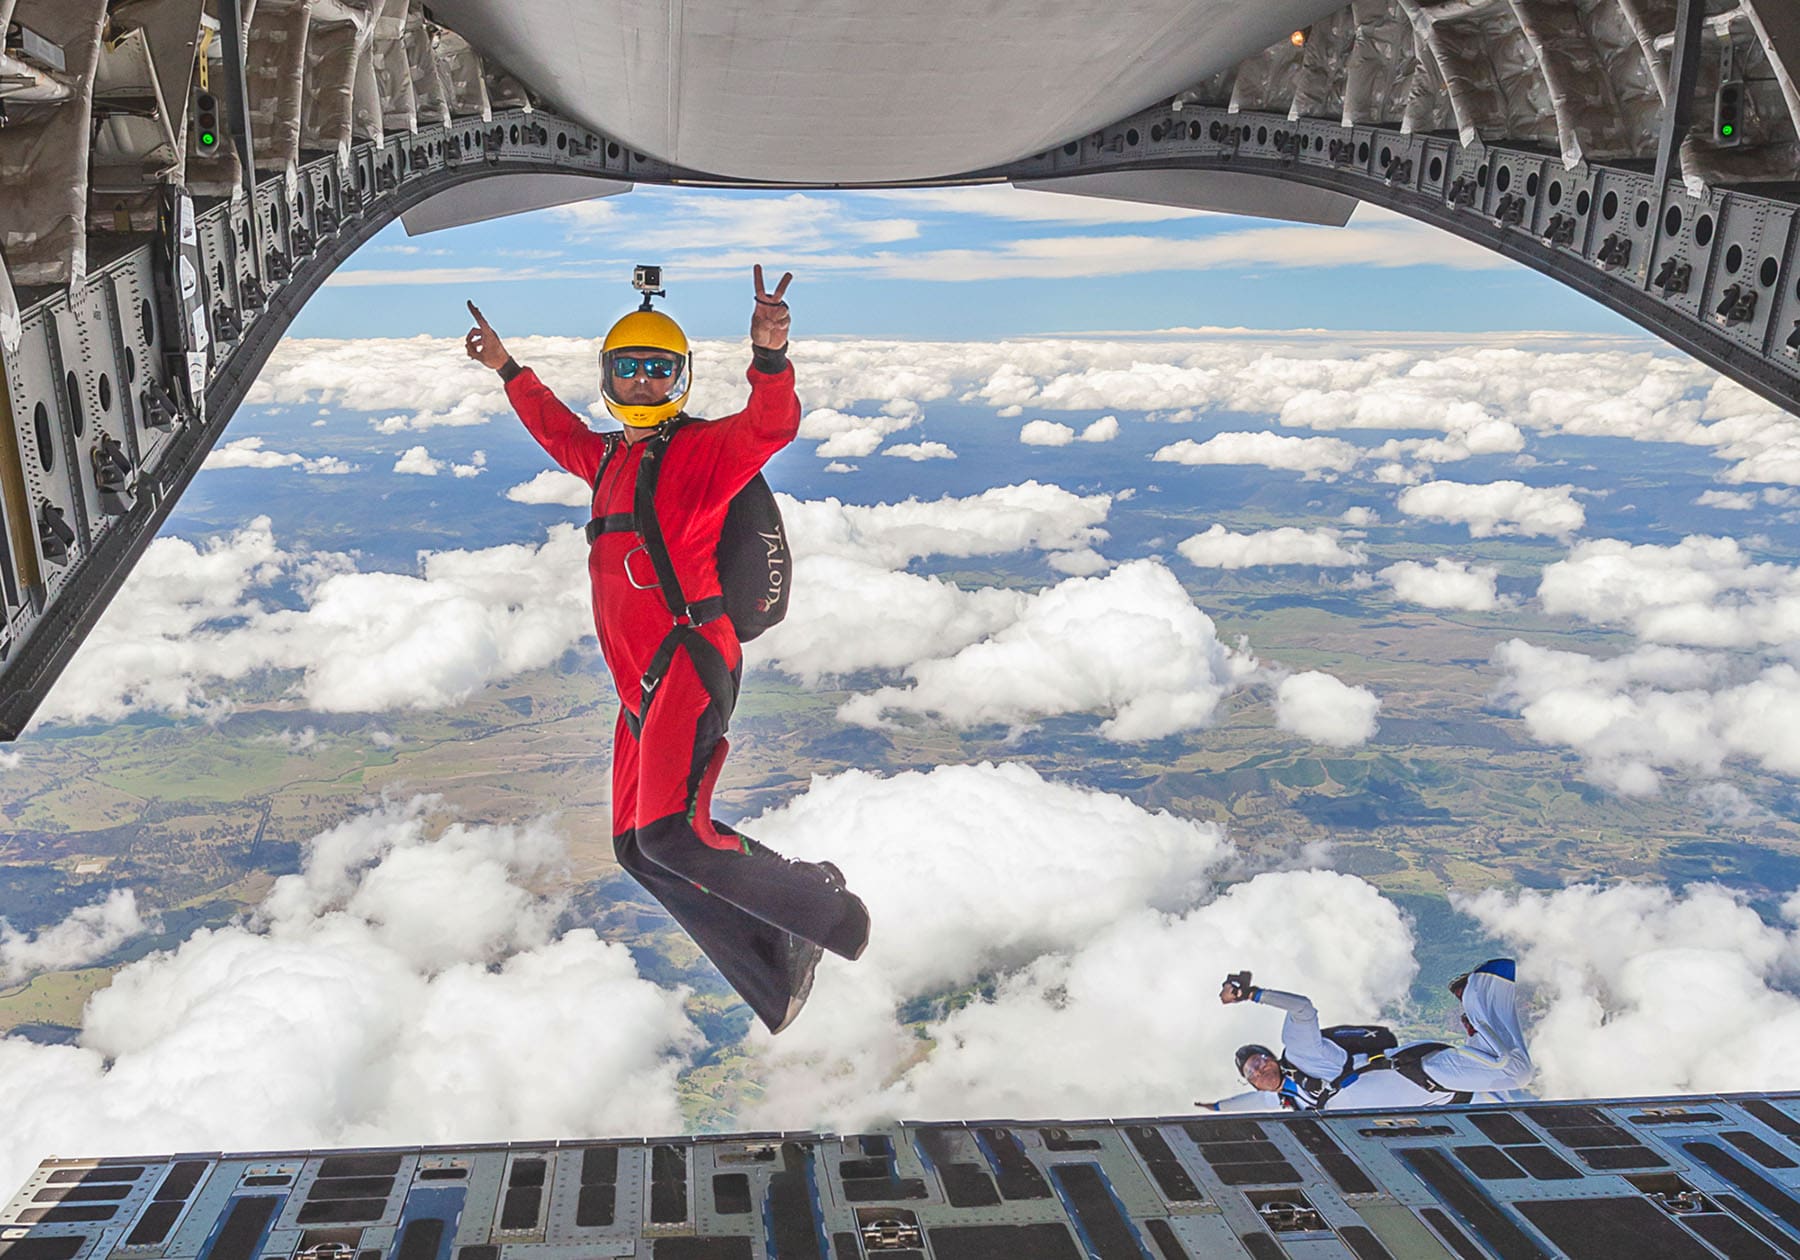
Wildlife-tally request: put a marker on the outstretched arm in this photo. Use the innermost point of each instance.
(557, 429)
(770, 420)
(1303, 1044)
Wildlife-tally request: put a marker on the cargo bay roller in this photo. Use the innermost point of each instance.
(178, 176)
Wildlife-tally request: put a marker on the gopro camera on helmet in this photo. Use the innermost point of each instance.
(647, 280)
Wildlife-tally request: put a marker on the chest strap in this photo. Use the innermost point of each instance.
(612, 523)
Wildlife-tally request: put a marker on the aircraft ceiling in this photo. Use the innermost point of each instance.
(862, 91)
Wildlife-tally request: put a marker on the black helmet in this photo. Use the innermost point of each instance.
(1246, 1053)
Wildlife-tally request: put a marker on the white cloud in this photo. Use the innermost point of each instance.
(1085, 562)
(1008, 201)
(841, 619)
(1651, 991)
(1105, 429)
(1444, 584)
(190, 618)
(250, 453)
(1360, 517)
(1130, 645)
(1220, 548)
(1727, 500)
(417, 461)
(217, 1045)
(1652, 709)
(1003, 519)
(86, 936)
(1045, 433)
(1480, 393)
(1498, 507)
(843, 435)
(917, 451)
(1270, 450)
(1102, 993)
(1702, 591)
(474, 468)
(553, 487)
(1322, 709)
(838, 466)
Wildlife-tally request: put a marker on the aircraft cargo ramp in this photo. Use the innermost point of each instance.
(1654, 1179)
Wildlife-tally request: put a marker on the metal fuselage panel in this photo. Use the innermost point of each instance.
(1665, 1177)
(864, 91)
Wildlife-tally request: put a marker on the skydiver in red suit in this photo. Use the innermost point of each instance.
(762, 919)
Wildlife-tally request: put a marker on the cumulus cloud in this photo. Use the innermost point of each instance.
(1480, 394)
(1005, 518)
(1653, 991)
(191, 617)
(1130, 645)
(553, 487)
(1444, 583)
(1220, 548)
(1104, 959)
(1046, 433)
(1105, 429)
(1727, 500)
(417, 461)
(842, 435)
(474, 468)
(1323, 709)
(217, 1045)
(1312, 456)
(1702, 591)
(1498, 507)
(917, 451)
(1360, 517)
(85, 936)
(251, 452)
(1652, 709)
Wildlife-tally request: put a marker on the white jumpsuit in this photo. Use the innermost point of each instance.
(1493, 1065)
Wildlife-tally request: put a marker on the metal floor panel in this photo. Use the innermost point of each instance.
(1656, 1179)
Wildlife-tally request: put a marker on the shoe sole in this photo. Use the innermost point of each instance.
(797, 1003)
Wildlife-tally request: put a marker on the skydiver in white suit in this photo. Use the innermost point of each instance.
(1348, 1067)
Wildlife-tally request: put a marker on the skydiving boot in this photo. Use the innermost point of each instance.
(803, 959)
(851, 935)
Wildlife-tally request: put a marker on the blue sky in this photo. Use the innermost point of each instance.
(950, 263)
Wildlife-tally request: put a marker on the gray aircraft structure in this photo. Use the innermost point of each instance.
(178, 176)
(1661, 1179)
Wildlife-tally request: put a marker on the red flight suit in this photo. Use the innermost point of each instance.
(740, 901)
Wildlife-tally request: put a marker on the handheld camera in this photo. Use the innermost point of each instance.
(1240, 981)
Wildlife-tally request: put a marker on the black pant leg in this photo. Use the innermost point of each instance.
(750, 954)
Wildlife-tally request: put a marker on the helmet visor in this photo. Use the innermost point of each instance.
(639, 376)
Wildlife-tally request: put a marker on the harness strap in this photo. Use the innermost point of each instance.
(709, 664)
(611, 523)
(650, 529)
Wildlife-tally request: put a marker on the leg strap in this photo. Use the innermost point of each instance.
(709, 664)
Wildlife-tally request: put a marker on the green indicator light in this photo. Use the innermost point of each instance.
(1727, 129)
(207, 137)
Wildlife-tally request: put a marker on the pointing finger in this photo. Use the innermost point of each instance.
(479, 317)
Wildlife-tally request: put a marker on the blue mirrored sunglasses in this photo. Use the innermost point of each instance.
(625, 367)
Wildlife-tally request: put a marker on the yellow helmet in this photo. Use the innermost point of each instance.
(643, 333)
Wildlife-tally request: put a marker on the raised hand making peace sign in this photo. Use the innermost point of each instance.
(769, 322)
